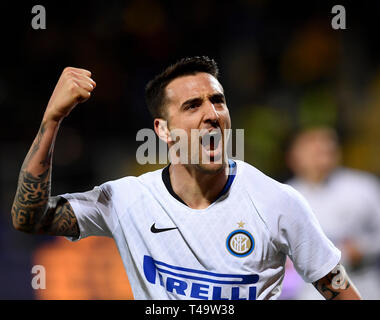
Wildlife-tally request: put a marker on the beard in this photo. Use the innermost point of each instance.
(211, 168)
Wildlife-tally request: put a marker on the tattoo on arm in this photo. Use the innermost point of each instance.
(32, 209)
(59, 219)
(323, 286)
(333, 283)
(33, 190)
(31, 199)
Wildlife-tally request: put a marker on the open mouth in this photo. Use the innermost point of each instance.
(211, 143)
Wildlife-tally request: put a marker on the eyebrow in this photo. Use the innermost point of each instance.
(191, 101)
(217, 96)
(199, 100)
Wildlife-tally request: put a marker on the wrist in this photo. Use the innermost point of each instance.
(52, 120)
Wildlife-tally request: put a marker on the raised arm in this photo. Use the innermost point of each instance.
(33, 209)
(336, 285)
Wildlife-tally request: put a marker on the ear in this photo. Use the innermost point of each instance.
(162, 130)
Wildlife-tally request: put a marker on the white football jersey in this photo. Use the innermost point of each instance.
(234, 249)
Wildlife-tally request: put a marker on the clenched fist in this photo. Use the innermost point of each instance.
(74, 86)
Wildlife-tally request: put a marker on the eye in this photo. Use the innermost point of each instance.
(218, 99)
(192, 106)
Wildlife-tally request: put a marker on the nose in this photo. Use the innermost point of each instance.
(211, 115)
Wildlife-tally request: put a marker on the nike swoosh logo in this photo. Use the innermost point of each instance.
(155, 230)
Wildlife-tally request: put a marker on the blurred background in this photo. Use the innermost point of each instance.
(282, 65)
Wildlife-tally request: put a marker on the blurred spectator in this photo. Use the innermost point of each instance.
(347, 204)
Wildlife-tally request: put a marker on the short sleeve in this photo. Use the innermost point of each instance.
(303, 240)
(93, 212)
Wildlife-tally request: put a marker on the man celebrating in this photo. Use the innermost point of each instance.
(204, 228)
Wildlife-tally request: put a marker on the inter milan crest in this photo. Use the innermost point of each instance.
(240, 242)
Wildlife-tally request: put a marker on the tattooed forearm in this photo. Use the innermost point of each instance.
(45, 161)
(325, 289)
(33, 190)
(337, 286)
(33, 209)
(31, 200)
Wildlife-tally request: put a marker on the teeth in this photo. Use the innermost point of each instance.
(212, 140)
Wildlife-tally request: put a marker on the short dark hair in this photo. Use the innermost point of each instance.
(155, 89)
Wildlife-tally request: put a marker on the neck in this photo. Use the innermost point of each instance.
(196, 187)
(315, 177)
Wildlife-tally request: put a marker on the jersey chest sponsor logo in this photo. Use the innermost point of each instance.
(200, 284)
